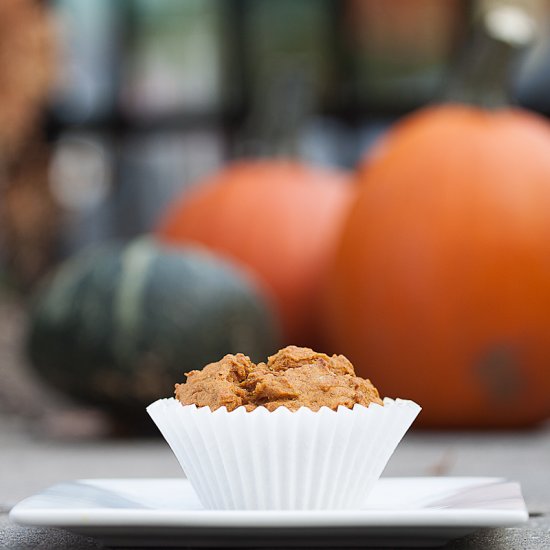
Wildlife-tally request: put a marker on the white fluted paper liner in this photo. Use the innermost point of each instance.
(281, 460)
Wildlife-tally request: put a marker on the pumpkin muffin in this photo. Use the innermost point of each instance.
(292, 378)
(297, 432)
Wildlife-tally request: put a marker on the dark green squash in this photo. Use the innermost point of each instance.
(117, 326)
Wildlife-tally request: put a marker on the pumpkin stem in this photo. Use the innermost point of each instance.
(482, 74)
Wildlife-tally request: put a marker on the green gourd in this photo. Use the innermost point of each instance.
(116, 326)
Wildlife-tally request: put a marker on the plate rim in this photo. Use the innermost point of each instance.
(97, 518)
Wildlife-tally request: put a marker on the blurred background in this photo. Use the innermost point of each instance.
(112, 112)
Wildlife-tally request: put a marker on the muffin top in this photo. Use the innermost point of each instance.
(294, 377)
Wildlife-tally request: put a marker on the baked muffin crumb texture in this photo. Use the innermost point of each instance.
(294, 377)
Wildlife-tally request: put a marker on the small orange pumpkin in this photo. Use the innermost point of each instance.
(440, 291)
(281, 219)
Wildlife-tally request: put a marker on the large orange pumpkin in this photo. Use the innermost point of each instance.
(281, 219)
(440, 291)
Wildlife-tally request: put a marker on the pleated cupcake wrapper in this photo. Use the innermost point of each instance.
(281, 460)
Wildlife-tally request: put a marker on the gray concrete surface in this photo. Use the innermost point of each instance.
(29, 463)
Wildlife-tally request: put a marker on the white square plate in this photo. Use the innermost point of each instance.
(425, 511)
